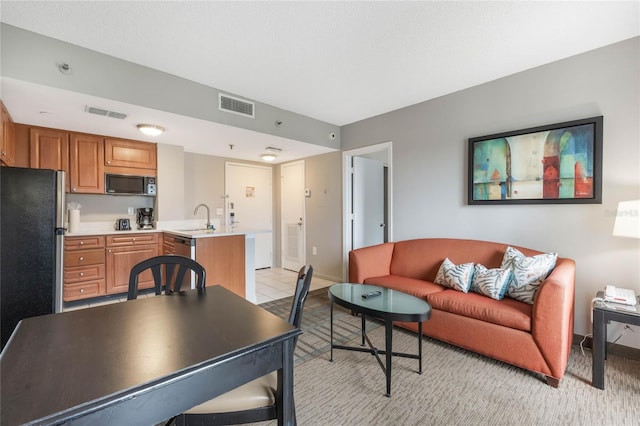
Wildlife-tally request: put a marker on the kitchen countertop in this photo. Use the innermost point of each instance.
(190, 232)
(205, 233)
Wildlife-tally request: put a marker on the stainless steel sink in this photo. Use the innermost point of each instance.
(194, 231)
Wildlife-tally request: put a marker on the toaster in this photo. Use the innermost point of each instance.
(122, 225)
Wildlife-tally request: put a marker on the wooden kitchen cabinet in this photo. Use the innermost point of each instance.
(120, 153)
(7, 138)
(84, 268)
(86, 168)
(168, 244)
(224, 260)
(49, 149)
(123, 253)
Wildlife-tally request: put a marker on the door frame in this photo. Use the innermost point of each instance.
(347, 196)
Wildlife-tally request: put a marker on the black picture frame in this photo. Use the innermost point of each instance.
(557, 163)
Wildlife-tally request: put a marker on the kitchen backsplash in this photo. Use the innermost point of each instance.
(108, 208)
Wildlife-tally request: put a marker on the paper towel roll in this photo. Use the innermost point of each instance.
(74, 221)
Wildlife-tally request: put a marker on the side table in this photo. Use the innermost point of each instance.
(603, 313)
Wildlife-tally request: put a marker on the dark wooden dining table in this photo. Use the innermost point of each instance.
(142, 361)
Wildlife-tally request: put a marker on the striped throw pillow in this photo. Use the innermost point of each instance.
(457, 277)
(490, 282)
(528, 273)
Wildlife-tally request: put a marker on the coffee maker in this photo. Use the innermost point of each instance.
(145, 218)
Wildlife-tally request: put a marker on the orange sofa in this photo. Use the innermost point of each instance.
(534, 337)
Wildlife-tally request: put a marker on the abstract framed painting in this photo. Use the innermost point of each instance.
(553, 164)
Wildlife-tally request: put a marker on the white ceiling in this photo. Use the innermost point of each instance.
(338, 62)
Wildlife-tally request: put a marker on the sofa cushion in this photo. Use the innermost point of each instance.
(411, 286)
(528, 273)
(506, 312)
(457, 277)
(490, 282)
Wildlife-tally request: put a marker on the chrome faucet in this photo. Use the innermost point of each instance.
(195, 212)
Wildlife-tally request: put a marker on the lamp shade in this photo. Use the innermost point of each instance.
(627, 219)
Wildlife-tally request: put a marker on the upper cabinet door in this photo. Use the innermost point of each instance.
(7, 138)
(49, 149)
(124, 153)
(86, 154)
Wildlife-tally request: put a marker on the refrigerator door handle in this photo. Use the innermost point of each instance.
(58, 303)
(60, 204)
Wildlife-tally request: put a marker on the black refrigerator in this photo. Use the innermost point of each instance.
(31, 244)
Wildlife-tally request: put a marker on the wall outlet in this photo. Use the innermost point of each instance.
(130, 210)
(314, 251)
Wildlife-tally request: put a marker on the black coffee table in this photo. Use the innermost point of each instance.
(389, 306)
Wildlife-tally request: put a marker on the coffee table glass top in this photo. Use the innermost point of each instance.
(390, 301)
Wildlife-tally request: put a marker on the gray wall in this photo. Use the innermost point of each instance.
(323, 213)
(430, 166)
(28, 56)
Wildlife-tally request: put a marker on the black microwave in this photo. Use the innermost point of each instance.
(129, 185)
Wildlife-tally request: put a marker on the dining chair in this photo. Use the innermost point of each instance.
(169, 272)
(254, 401)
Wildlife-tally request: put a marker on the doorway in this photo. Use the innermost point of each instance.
(360, 227)
(292, 212)
(249, 204)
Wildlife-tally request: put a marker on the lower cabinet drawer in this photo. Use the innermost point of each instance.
(75, 274)
(83, 257)
(84, 290)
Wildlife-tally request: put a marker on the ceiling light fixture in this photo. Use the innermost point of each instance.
(150, 129)
(270, 154)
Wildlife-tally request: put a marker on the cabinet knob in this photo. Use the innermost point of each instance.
(134, 239)
(73, 189)
(108, 162)
(82, 274)
(82, 290)
(81, 258)
(81, 242)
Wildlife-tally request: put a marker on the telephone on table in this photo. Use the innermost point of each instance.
(619, 295)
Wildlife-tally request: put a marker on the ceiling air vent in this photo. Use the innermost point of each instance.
(236, 106)
(104, 112)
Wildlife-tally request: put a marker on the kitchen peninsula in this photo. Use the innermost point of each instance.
(98, 259)
(227, 256)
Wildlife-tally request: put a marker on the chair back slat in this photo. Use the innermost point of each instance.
(302, 289)
(163, 269)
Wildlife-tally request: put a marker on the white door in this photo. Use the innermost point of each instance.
(368, 202)
(249, 193)
(293, 233)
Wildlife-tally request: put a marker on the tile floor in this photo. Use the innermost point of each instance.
(277, 283)
(271, 284)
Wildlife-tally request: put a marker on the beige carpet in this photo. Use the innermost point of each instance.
(458, 387)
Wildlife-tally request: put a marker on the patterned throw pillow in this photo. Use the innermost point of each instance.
(457, 277)
(528, 273)
(490, 282)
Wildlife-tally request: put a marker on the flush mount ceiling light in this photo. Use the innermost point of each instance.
(150, 129)
(270, 155)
